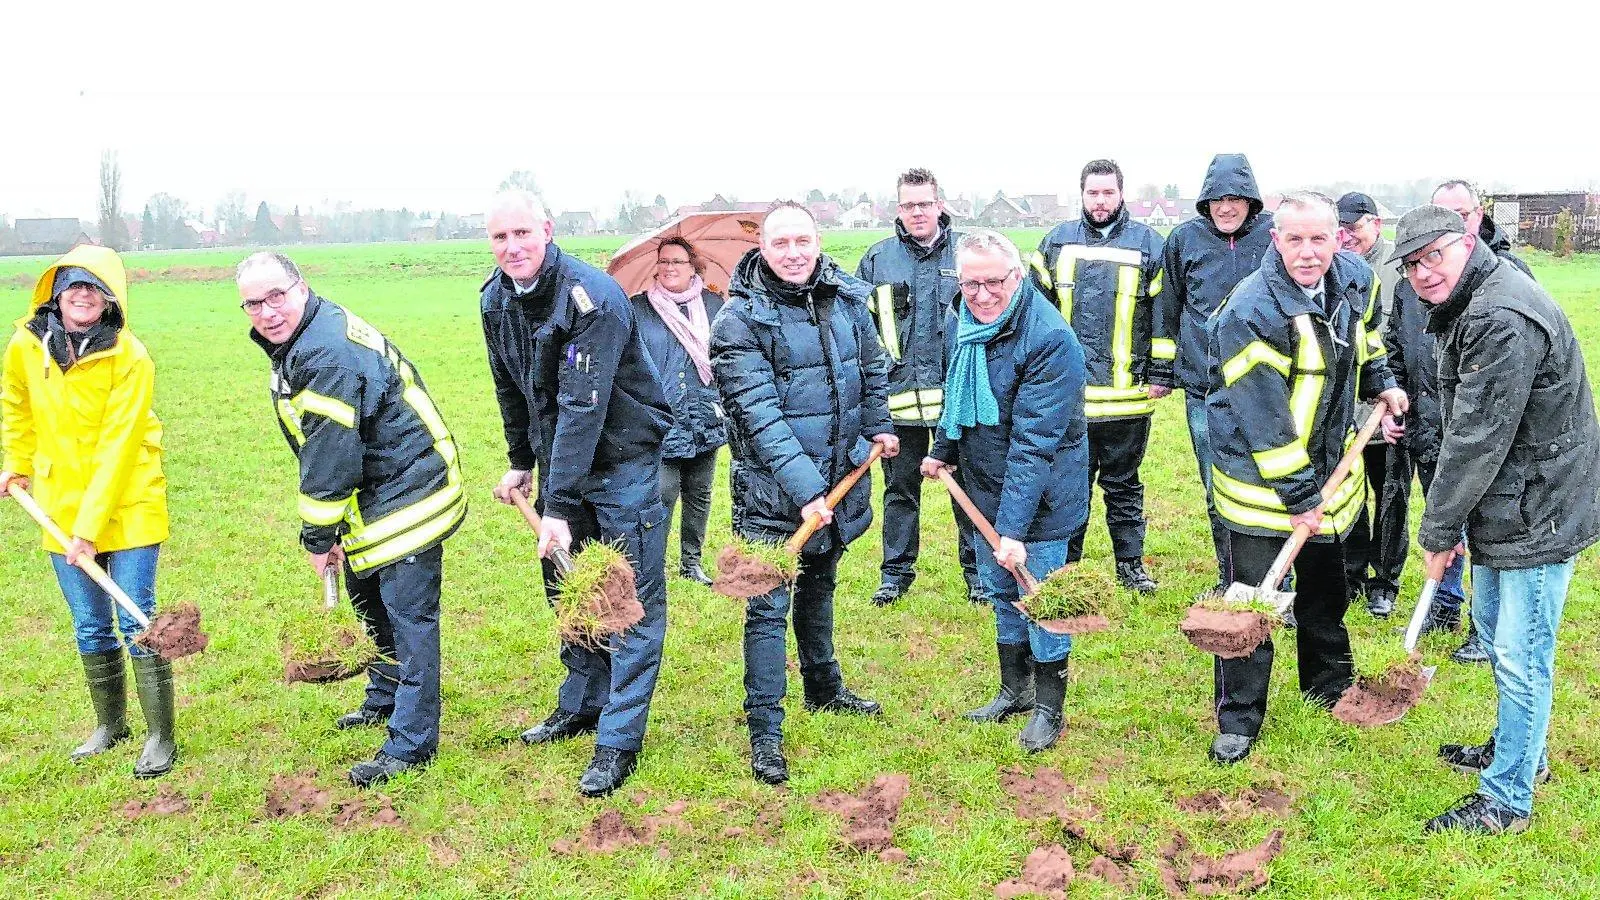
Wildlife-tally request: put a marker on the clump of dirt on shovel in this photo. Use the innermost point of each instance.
(1184, 873)
(1071, 600)
(1379, 700)
(175, 634)
(295, 795)
(598, 598)
(1045, 873)
(318, 648)
(869, 816)
(747, 569)
(1228, 633)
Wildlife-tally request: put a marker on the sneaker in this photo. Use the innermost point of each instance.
(846, 701)
(1132, 575)
(1477, 813)
(1380, 602)
(1470, 653)
(767, 763)
(1442, 621)
(1471, 759)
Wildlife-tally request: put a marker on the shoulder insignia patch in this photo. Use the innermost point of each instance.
(580, 299)
(357, 329)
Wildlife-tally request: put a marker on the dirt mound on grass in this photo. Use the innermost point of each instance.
(1044, 793)
(1112, 873)
(869, 815)
(610, 832)
(175, 634)
(167, 802)
(1229, 634)
(295, 795)
(1045, 873)
(1185, 873)
(1380, 701)
(355, 813)
(1250, 800)
(742, 576)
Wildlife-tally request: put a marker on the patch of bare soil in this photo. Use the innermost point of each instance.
(1185, 873)
(295, 795)
(1045, 873)
(167, 802)
(610, 831)
(1249, 801)
(869, 815)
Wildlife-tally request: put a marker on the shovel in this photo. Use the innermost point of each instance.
(329, 652)
(814, 521)
(589, 612)
(182, 645)
(559, 557)
(1025, 579)
(1267, 592)
(1386, 699)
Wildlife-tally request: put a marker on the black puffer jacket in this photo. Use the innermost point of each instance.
(803, 381)
(1416, 369)
(1521, 445)
(697, 421)
(1203, 265)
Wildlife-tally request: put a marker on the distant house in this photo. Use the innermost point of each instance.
(1027, 211)
(959, 210)
(49, 236)
(202, 235)
(1160, 213)
(580, 222)
(423, 230)
(826, 212)
(1530, 218)
(861, 215)
(1047, 208)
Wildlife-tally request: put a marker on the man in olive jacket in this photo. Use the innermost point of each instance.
(1520, 449)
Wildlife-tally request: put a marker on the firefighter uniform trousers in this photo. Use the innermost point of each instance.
(1116, 451)
(616, 683)
(902, 512)
(1321, 598)
(399, 606)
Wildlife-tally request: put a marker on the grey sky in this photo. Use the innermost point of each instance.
(827, 106)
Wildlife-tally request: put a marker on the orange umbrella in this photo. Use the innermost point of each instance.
(720, 238)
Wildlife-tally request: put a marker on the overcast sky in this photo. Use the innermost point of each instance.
(367, 104)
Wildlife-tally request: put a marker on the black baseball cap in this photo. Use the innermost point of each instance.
(1353, 206)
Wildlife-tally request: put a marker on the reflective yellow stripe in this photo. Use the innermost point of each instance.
(1067, 273)
(1256, 353)
(1109, 409)
(1259, 507)
(1163, 348)
(407, 517)
(323, 512)
(888, 328)
(1306, 391)
(917, 405)
(411, 541)
(1285, 460)
(1119, 255)
(328, 407)
(1155, 283)
(290, 417)
(1039, 267)
(1122, 326)
(1095, 392)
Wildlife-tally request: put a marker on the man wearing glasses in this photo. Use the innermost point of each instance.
(1013, 421)
(1204, 259)
(914, 278)
(380, 490)
(1516, 465)
(1104, 273)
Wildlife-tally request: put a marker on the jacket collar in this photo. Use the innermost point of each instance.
(916, 249)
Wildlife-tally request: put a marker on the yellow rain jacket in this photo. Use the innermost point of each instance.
(87, 437)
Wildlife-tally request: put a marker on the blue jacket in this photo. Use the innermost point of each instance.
(1285, 376)
(914, 286)
(1106, 288)
(697, 420)
(803, 383)
(1029, 474)
(578, 395)
(1203, 265)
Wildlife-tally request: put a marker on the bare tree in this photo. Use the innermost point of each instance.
(523, 180)
(113, 231)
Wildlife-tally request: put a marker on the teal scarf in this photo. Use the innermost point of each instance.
(968, 398)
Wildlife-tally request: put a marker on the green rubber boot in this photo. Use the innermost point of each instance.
(152, 676)
(108, 691)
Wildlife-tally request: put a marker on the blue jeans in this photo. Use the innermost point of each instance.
(1517, 612)
(765, 618)
(1200, 439)
(1010, 625)
(134, 571)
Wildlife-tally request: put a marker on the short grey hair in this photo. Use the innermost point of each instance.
(988, 242)
(520, 201)
(1472, 189)
(1311, 201)
(264, 257)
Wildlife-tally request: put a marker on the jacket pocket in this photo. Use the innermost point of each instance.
(1499, 517)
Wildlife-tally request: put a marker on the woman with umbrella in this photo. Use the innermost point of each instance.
(674, 315)
(78, 425)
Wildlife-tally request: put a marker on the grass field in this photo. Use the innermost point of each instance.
(484, 819)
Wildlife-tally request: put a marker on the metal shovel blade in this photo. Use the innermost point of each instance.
(1241, 593)
(1427, 678)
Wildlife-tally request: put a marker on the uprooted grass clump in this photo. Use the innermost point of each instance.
(1073, 591)
(747, 569)
(323, 645)
(598, 597)
(1219, 603)
(770, 553)
(1377, 661)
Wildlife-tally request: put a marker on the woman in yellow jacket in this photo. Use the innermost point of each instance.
(77, 427)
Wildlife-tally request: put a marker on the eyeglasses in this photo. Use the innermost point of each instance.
(1429, 260)
(669, 263)
(918, 206)
(994, 285)
(273, 298)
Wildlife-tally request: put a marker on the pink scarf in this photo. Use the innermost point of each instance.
(692, 331)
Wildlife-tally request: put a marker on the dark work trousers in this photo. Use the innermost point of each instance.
(1397, 530)
(1365, 548)
(616, 682)
(902, 505)
(765, 641)
(1200, 440)
(1321, 598)
(1116, 450)
(399, 605)
(690, 477)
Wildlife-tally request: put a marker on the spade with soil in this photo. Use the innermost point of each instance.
(597, 596)
(171, 635)
(1066, 600)
(1236, 626)
(319, 649)
(746, 570)
(1383, 698)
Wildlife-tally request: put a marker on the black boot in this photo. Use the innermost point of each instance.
(1131, 574)
(152, 678)
(693, 572)
(108, 691)
(607, 771)
(1016, 686)
(1050, 687)
(766, 761)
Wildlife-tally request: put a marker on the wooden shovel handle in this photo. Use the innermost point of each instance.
(85, 563)
(561, 558)
(1024, 578)
(1297, 540)
(814, 521)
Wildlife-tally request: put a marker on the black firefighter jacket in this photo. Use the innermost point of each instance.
(913, 289)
